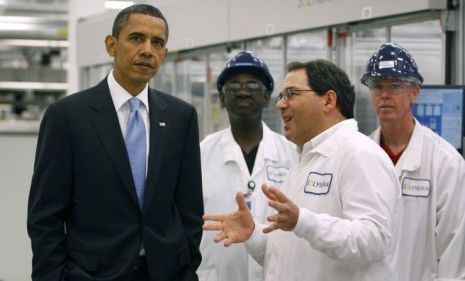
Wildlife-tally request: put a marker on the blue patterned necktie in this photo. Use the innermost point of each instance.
(136, 147)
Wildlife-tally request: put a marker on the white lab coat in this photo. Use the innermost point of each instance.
(432, 177)
(347, 191)
(224, 173)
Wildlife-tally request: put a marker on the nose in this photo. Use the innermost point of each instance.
(146, 48)
(281, 104)
(243, 92)
(384, 93)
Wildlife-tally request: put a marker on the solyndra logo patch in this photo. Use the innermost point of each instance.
(416, 187)
(318, 183)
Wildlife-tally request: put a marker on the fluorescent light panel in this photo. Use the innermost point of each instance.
(118, 5)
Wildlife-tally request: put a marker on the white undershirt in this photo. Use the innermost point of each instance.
(120, 99)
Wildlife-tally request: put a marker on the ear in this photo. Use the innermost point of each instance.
(267, 98)
(414, 93)
(110, 43)
(221, 99)
(164, 55)
(330, 101)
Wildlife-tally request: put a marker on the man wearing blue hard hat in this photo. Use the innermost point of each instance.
(241, 157)
(431, 172)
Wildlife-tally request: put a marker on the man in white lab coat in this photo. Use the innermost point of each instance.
(335, 214)
(430, 170)
(241, 158)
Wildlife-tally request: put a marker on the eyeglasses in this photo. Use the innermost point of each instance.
(288, 93)
(249, 87)
(392, 88)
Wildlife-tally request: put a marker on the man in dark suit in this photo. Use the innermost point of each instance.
(116, 191)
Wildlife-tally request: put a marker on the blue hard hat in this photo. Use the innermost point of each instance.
(246, 61)
(393, 61)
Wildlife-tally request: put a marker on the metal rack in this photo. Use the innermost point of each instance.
(33, 59)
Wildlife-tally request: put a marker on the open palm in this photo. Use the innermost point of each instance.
(234, 227)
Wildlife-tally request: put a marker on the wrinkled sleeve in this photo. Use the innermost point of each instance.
(256, 244)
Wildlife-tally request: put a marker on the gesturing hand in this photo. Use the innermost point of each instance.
(235, 227)
(288, 212)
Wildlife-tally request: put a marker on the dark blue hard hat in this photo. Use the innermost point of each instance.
(246, 61)
(391, 60)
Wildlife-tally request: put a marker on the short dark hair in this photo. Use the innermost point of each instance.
(323, 76)
(145, 9)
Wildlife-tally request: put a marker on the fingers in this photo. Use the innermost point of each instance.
(240, 199)
(213, 217)
(266, 190)
(212, 226)
(280, 207)
(270, 228)
(220, 237)
(273, 193)
(228, 241)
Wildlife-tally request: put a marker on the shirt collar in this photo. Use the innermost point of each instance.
(324, 143)
(120, 96)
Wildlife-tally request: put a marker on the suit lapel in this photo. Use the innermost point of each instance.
(159, 126)
(107, 126)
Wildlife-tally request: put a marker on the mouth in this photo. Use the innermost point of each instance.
(287, 125)
(145, 65)
(244, 102)
(385, 106)
(286, 119)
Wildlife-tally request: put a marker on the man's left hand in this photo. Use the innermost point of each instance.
(288, 212)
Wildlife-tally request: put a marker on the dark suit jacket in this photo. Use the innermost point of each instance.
(83, 217)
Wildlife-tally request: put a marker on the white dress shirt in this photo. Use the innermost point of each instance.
(348, 192)
(120, 99)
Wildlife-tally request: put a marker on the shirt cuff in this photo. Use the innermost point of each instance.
(306, 224)
(256, 238)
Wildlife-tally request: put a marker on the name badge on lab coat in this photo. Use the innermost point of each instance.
(416, 187)
(276, 173)
(317, 183)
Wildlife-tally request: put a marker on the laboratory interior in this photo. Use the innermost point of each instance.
(53, 48)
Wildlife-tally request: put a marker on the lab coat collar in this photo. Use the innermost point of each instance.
(328, 141)
(266, 147)
(410, 159)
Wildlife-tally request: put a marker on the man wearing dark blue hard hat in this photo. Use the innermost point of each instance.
(241, 157)
(431, 237)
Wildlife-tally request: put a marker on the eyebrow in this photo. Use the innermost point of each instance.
(138, 33)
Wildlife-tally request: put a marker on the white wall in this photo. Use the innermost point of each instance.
(16, 162)
(200, 23)
(79, 9)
